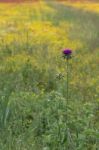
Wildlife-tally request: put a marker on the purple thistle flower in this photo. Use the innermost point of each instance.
(67, 53)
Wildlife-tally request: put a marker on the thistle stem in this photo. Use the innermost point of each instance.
(67, 82)
(67, 92)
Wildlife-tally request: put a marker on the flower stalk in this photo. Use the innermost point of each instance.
(67, 55)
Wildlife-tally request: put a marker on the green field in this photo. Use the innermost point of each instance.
(34, 111)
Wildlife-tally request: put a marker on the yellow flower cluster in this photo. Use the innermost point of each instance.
(22, 26)
(86, 6)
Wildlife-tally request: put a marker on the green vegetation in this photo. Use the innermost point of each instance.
(33, 108)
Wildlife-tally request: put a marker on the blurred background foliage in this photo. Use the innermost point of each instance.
(33, 72)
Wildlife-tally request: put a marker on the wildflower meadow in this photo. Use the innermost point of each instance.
(49, 75)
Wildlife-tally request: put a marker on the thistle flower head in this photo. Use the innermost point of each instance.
(67, 53)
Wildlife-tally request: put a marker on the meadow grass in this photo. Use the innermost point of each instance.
(33, 77)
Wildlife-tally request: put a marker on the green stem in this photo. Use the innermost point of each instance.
(67, 97)
(67, 82)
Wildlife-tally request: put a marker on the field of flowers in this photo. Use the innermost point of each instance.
(84, 5)
(34, 111)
